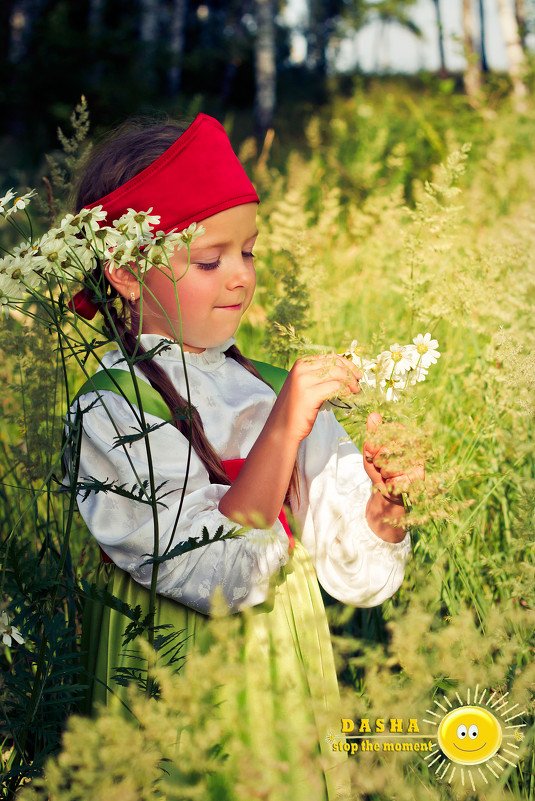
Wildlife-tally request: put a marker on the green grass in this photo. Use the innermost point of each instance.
(378, 258)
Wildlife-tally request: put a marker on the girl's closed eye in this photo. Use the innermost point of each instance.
(213, 265)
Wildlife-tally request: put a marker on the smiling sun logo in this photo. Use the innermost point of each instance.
(474, 734)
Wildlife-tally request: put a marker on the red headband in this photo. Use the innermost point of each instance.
(199, 175)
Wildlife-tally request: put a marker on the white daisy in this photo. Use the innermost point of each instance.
(9, 633)
(20, 203)
(5, 200)
(427, 349)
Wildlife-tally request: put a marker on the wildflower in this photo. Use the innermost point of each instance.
(10, 289)
(135, 223)
(191, 233)
(86, 222)
(427, 349)
(392, 388)
(395, 369)
(82, 257)
(418, 374)
(91, 217)
(400, 358)
(5, 200)
(9, 633)
(126, 251)
(20, 203)
(48, 252)
(161, 245)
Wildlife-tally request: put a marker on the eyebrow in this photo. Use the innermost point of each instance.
(201, 245)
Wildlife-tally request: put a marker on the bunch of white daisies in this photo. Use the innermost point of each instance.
(393, 370)
(73, 249)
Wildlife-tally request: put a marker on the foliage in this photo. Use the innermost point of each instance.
(383, 242)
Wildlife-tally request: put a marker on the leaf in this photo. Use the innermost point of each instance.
(161, 347)
(140, 494)
(128, 439)
(192, 543)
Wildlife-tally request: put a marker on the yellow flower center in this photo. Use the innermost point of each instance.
(422, 348)
(396, 356)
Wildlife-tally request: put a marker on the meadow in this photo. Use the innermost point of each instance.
(393, 212)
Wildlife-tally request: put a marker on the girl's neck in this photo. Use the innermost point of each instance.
(187, 348)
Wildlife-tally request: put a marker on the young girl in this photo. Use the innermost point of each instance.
(253, 450)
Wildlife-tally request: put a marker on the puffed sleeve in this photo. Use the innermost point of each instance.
(124, 527)
(353, 564)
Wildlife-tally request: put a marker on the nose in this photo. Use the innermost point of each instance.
(241, 272)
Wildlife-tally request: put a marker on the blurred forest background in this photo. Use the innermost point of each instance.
(283, 59)
(392, 204)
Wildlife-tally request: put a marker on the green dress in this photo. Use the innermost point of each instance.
(290, 685)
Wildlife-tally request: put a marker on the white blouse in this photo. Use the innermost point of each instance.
(352, 563)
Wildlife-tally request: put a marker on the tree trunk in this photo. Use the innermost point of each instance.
(148, 22)
(440, 29)
(176, 45)
(265, 67)
(24, 16)
(483, 29)
(515, 54)
(472, 74)
(520, 14)
(317, 38)
(94, 18)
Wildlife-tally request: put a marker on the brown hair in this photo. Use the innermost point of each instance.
(121, 156)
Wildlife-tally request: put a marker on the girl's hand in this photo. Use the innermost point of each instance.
(391, 481)
(260, 489)
(310, 382)
(385, 509)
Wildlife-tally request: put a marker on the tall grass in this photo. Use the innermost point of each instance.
(391, 226)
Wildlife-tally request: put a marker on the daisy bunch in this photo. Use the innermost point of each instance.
(69, 252)
(394, 370)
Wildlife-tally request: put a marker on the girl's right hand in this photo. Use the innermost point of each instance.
(261, 487)
(310, 382)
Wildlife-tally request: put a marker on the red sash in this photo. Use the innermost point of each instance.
(232, 467)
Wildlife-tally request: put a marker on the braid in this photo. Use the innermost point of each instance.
(118, 159)
(191, 426)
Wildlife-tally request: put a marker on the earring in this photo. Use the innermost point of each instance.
(132, 297)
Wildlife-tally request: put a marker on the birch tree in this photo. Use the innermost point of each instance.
(94, 17)
(520, 14)
(149, 19)
(515, 53)
(179, 10)
(265, 66)
(483, 36)
(472, 73)
(440, 29)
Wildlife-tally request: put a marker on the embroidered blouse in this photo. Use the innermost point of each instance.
(352, 563)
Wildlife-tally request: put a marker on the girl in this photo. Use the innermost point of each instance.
(252, 450)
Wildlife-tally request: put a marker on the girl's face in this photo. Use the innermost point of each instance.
(215, 290)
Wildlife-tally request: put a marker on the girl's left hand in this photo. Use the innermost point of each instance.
(389, 481)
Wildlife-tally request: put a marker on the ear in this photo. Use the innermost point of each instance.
(123, 280)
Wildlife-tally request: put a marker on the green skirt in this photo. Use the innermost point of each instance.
(288, 671)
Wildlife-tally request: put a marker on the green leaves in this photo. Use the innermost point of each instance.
(138, 492)
(192, 543)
